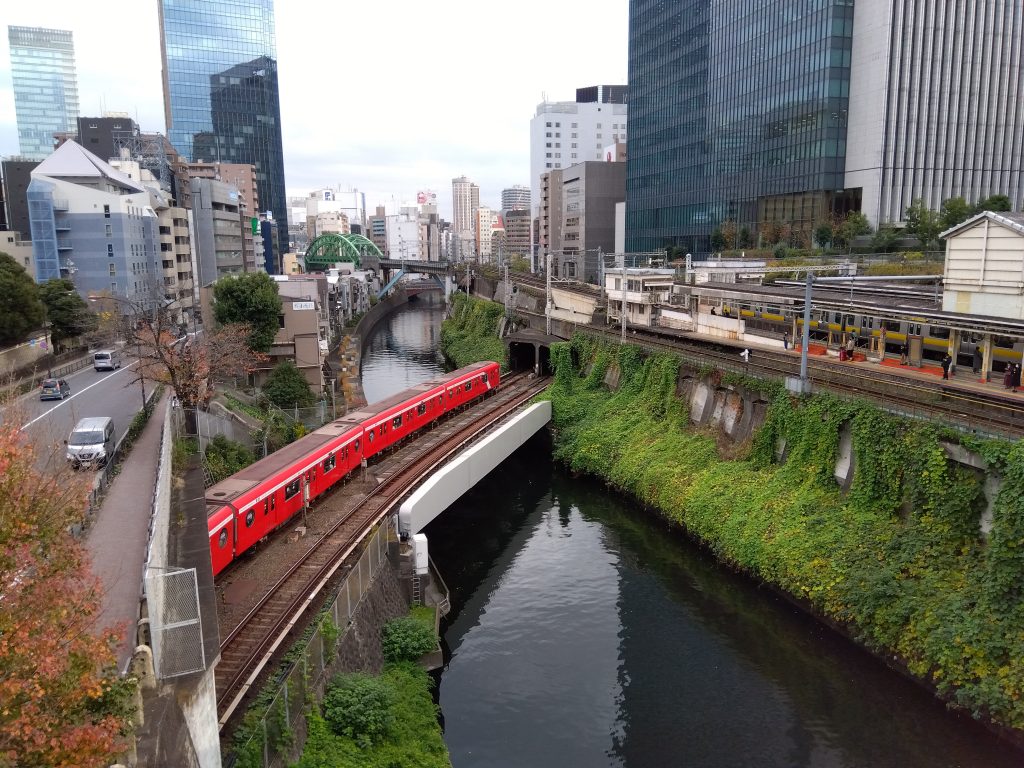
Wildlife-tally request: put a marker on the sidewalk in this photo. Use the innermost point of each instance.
(118, 538)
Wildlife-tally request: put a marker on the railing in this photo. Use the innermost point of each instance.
(271, 741)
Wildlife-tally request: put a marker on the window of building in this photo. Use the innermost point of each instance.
(599, 135)
(548, 134)
(548, 145)
(106, 211)
(280, 321)
(598, 126)
(113, 270)
(547, 165)
(574, 125)
(110, 249)
(574, 136)
(558, 125)
(547, 125)
(547, 154)
(573, 156)
(110, 231)
(558, 154)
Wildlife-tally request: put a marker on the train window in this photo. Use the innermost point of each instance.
(937, 332)
(330, 463)
(440, 399)
(266, 506)
(291, 489)
(273, 501)
(891, 325)
(249, 517)
(397, 422)
(469, 386)
(355, 446)
(483, 379)
(369, 435)
(222, 540)
(1002, 341)
(421, 408)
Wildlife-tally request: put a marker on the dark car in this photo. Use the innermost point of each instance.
(54, 389)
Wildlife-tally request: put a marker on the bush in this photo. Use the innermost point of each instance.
(359, 706)
(471, 332)
(224, 457)
(286, 387)
(406, 639)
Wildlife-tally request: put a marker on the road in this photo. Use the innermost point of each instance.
(48, 423)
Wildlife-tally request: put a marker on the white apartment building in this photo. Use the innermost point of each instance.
(564, 133)
(351, 203)
(405, 236)
(487, 219)
(465, 201)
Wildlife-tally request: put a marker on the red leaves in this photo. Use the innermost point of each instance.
(54, 663)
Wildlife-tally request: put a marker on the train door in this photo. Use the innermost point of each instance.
(248, 528)
(222, 539)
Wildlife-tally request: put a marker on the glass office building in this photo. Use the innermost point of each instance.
(221, 90)
(45, 87)
(738, 112)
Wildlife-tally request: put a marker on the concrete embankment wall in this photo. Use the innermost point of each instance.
(350, 350)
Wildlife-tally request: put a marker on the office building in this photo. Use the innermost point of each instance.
(465, 201)
(377, 229)
(45, 87)
(242, 178)
(563, 133)
(813, 110)
(517, 232)
(590, 192)
(95, 225)
(516, 198)
(217, 243)
(17, 174)
(221, 90)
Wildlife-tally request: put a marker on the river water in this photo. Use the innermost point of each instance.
(584, 633)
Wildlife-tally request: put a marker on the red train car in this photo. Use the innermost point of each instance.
(247, 506)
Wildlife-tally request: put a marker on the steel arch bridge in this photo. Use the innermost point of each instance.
(331, 248)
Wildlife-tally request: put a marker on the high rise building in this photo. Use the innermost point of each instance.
(221, 90)
(45, 87)
(465, 201)
(516, 198)
(563, 133)
(803, 114)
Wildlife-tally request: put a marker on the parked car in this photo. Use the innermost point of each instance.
(106, 360)
(54, 389)
(91, 442)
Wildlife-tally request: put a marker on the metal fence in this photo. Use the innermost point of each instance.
(176, 629)
(272, 738)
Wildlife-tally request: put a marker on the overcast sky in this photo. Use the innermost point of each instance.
(386, 96)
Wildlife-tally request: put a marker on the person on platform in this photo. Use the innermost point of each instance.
(1008, 376)
(881, 343)
(851, 344)
(977, 359)
(1016, 377)
(904, 353)
(947, 361)
(785, 340)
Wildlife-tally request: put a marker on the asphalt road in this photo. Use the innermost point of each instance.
(48, 423)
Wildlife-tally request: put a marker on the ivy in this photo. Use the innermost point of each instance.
(470, 334)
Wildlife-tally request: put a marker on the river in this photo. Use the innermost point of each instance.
(585, 633)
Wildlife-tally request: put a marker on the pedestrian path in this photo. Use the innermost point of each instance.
(118, 537)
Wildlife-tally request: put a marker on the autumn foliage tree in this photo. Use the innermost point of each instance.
(62, 703)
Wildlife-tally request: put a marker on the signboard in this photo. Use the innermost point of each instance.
(255, 225)
(298, 306)
(426, 198)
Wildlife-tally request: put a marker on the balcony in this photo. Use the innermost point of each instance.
(63, 244)
(59, 204)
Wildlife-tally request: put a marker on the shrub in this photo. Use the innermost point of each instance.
(359, 706)
(406, 639)
(224, 457)
(286, 387)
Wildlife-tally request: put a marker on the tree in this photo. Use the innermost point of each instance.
(21, 310)
(286, 387)
(519, 263)
(923, 223)
(250, 298)
(994, 203)
(885, 240)
(745, 241)
(954, 211)
(854, 225)
(717, 239)
(66, 311)
(188, 364)
(225, 457)
(63, 703)
(823, 234)
(730, 233)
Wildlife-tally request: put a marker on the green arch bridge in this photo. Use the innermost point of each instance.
(331, 248)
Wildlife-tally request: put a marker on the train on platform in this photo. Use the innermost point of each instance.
(251, 504)
(762, 313)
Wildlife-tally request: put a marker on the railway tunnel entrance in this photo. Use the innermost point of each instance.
(530, 350)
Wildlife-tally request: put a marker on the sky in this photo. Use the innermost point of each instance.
(387, 97)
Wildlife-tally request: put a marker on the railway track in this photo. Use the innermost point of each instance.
(254, 642)
(962, 409)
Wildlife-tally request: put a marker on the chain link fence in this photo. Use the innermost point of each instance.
(176, 629)
(271, 740)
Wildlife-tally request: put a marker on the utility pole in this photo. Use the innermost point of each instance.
(806, 336)
(623, 308)
(547, 304)
(508, 295)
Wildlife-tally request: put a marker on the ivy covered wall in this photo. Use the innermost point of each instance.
(470, 334)
(898, 560)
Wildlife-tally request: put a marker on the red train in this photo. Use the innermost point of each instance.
(247, 506)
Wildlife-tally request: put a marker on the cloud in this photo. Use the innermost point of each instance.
(389, 96)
